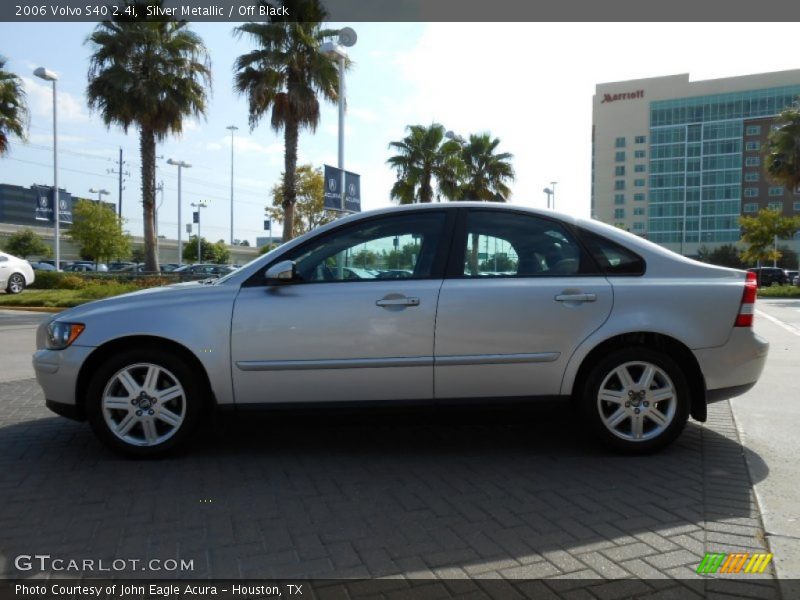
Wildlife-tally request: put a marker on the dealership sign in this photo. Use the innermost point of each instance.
(623, 96)
(44, 206)
(333, 194)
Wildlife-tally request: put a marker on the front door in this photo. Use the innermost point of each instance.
(356, 325)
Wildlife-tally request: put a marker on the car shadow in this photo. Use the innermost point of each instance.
(512, 492)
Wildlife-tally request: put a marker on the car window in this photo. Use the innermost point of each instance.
(3, 258)
(613, 258)
(396, 247)
(507, 244)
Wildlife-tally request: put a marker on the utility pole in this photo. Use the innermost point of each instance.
(119, 171)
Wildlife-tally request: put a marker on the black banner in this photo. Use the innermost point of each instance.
(333, 195)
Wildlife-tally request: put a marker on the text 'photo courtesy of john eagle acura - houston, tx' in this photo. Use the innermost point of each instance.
(566, 309)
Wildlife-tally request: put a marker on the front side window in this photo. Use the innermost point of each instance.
(500, 244)
(397, 247)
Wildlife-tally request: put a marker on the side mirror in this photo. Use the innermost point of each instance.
(281, 272)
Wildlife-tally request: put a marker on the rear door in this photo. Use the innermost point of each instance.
(521, 298)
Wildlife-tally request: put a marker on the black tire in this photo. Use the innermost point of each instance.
(191, 402)
(16, 283)
(593, 409)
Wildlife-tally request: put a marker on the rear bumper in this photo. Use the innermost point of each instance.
(731, 369)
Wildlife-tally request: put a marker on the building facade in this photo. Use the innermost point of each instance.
(679, 161)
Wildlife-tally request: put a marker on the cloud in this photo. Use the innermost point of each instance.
(40, 101)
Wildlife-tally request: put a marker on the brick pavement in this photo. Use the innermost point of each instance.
(396, 493)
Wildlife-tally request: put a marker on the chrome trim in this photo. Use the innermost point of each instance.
(339, 363)
(497, 359)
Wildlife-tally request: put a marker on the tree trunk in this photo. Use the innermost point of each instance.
(147, 147)
(289, 174)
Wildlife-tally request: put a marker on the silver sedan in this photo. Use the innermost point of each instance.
(486, 302)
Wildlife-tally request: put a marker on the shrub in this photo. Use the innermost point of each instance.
(46, 280)
(71, 282)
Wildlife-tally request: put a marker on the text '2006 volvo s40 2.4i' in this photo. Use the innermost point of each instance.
(419, 304)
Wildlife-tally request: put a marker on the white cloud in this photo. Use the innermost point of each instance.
(40, 101)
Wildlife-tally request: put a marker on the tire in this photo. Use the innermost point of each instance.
(627, 414)
(144, 402)
(16, 284)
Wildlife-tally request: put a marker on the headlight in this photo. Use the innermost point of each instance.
(60, 335)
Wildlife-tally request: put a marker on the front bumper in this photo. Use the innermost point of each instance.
(57, 374)
(736, 364)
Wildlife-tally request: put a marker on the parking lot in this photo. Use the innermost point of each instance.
(467, 493)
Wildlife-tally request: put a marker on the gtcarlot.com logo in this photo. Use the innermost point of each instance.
(737, 562)
(47, 562)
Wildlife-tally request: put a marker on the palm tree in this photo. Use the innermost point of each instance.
(286, 73)
(13, 107)
(422, 156)
(150, 75)
(782, 150)
(486, 173)
(486, 177)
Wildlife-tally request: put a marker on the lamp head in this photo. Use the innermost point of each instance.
(45, 74)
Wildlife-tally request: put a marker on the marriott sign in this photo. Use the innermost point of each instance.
(622, 96)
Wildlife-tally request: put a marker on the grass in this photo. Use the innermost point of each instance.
(65, 298)
(779, 291)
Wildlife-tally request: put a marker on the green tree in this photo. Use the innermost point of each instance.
(25, 243)
(267, 248)
(425, 156)
(210, 252)
(759, 234)
(13, 108)
(151, 75)
(309, 208)
(97, 230)
(727, 255)
(137, 254)
(782, 150)
(487, 172)
(286, 74)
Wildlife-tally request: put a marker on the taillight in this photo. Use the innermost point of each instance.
(748, 305)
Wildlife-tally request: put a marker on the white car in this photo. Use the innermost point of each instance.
(15, 273)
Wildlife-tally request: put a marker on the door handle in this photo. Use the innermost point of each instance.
(576, 297)
(402, 301)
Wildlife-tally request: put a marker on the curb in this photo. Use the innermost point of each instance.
(39, 309)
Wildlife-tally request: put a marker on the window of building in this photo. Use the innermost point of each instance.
(751, 207)
(619, 198)
(639, 168)
(750, 192)
(752, 161)
(796, 206)
(620, 143)
(619, 157)
(776, 190)
(619, 184)
(637, 211)
(640, 139)
(619, 213)
(638, 226)
(753, 130)
(638, 197)
(752, 176)
(619, 171)
(752, 146)
(639, 182)
(639, 154)
(775, 206)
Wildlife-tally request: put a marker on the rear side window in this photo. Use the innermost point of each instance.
(611, 257)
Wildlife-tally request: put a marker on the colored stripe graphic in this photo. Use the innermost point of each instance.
(736, 562)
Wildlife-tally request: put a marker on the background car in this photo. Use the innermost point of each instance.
(208, 269)
(43, 266)
(791, 276)
(15, 273)
(85, 267)
(615, 327)
(768, 276)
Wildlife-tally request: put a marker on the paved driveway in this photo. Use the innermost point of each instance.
(507, 494)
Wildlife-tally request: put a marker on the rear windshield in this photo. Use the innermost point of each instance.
(613, 258)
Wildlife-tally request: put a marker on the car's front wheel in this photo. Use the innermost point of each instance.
(636, 400)
(144, 403)
(16, 284)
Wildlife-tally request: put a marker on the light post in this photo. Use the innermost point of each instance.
(100, 193)
(553, 192)
(549, 193)
(43, 73)
(346, 39)
(181, 165)
(199, 205)
(232, 128)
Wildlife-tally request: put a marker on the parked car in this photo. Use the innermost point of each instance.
(791, 276)
(168, 267)
(85, 267)
(613, 325)
(768, 276)
(42, 266)
(120, 265)
(210, 270)
(15, 273)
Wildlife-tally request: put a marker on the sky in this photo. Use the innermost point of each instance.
(529, 84)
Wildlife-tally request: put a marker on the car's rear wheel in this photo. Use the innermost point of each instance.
(16, 284)
(636, 400)
(144, 403)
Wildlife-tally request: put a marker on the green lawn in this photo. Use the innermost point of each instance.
(63, 298)
(779, 291)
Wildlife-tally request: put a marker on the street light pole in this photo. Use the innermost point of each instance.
(548, 191)
(100, 193)
(553, 192)
(232, 128)
(43, 73)
(181, 165)
(199, 205)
